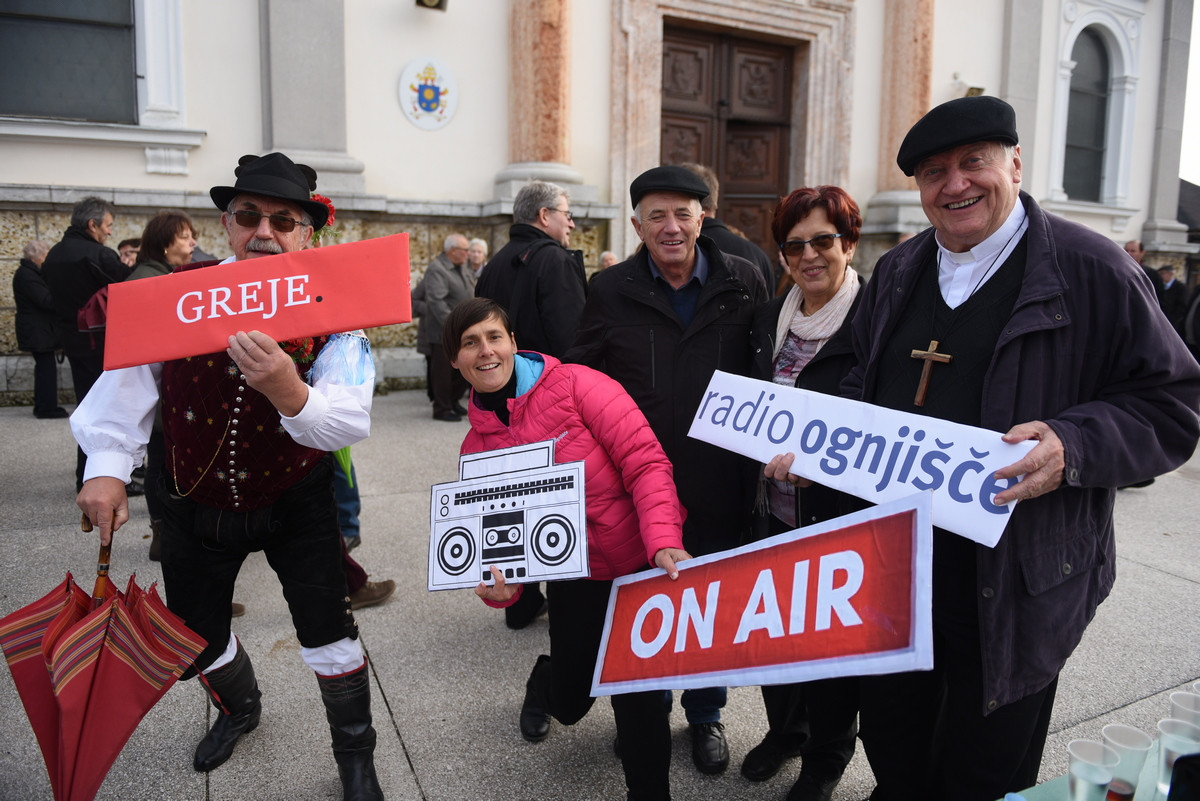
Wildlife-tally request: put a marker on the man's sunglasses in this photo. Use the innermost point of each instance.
(279, 222)
(795, 247)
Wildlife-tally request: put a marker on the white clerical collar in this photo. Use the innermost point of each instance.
(961, 274)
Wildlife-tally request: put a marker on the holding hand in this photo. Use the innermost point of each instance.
(778, 468)
(1042, 466)
(498, 593)
(666, 559)
(105, 503)
(269, 370)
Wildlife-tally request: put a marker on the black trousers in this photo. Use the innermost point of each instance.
(86, 368)
(926, 736)
(45, 382)
(448, 383)
(577, 610)
(156, 458)
(817, 718)
(203, 550)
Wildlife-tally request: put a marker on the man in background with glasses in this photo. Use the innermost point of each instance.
(541, 284)
(247, 436)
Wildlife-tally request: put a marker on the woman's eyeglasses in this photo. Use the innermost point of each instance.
(251, 219)
(795, 247)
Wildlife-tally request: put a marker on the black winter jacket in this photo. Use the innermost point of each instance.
(74, 269)
(540, 284)
(35, 309)
(823, 374)
(630, 332)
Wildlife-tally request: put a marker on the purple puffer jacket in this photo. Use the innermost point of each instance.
(632, 509)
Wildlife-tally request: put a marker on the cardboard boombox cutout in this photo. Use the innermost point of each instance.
(513, 508)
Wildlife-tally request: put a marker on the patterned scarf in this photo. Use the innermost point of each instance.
(822, 324)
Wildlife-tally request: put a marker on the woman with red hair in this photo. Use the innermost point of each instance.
(802, 339)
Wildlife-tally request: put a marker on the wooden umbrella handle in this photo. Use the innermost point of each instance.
(100, 590)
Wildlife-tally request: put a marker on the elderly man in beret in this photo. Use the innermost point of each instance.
(660, 324)
(248, 433)
(1047, 332)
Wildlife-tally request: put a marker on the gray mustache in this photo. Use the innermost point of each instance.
(264, 246)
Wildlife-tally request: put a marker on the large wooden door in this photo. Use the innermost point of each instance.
(726, 103)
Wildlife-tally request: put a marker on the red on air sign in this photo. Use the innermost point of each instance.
(307, 293)
(849, 597)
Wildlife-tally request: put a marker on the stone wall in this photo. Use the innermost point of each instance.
(426, 234)
(399, 366)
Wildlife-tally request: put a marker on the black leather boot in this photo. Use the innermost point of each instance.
(234, 692)
(348, 709)
(535, 709)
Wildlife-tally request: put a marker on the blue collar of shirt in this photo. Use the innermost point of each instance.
(700, 273)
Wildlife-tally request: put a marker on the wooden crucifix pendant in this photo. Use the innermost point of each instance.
(929, 357)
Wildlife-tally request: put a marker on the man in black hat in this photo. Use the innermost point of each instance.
(1047, 332)
(247, 436)
(661, 323)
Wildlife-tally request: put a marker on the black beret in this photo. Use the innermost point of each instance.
(954, 123)
(667, 179)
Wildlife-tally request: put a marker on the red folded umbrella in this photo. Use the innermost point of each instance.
(21, 635)
(105, 661)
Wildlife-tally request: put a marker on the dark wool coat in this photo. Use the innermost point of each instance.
(630, 332)
(540, 284)
(74, 269)
(1088, 351)
(35, 309)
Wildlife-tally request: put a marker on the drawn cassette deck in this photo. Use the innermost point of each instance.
(528, 521)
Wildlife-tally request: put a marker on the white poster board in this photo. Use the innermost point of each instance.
(513, 508)
(874, 453)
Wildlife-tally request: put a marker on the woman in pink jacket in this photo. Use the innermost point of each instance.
(634, 519)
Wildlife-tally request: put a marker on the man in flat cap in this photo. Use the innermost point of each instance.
(660, 324)
(1053, 335)
(248, 433)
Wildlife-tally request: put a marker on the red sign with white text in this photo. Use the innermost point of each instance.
(307, 293)
(851, 597)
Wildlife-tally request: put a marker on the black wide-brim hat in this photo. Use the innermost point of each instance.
(275, 176)
(955, 123)
(669, 178)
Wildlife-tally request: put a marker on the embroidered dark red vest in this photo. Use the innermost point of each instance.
(226, 447)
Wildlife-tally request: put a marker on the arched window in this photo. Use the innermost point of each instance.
(1087, 114)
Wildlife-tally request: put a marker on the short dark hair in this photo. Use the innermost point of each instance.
(91, 208)
(838, 205)
(129, 243)
(706, 174)
(466, 314)
(161, 232)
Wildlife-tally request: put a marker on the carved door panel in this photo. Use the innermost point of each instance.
(726, 103)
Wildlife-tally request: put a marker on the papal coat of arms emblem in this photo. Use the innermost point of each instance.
(430, 97)
(428, 93)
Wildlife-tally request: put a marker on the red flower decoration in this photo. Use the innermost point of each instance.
(329, 203)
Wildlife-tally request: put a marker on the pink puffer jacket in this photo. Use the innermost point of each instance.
(632, 509)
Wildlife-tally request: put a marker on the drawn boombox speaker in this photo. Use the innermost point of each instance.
(512, 508)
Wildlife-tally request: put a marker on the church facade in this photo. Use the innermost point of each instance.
(426, 116)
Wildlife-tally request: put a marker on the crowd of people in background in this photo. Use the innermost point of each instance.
(523, 345)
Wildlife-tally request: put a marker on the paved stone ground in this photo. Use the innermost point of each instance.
(448, 676)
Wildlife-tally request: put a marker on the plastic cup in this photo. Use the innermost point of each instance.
(1186, 706)
(1176, 738)
(1131, 746)
(1091, 769)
